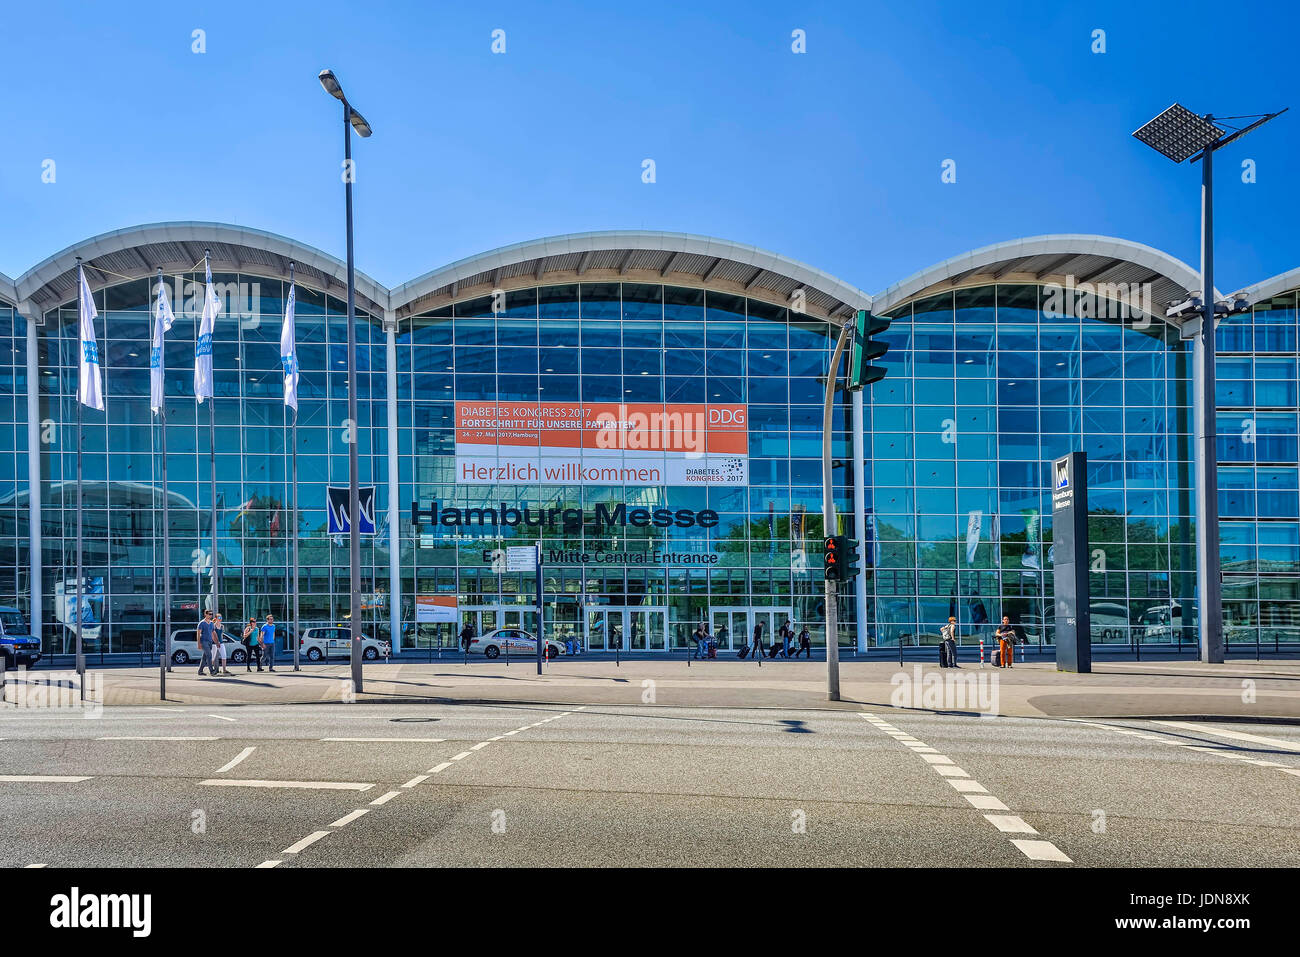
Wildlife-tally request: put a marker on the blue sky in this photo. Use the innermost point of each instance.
(832, 156)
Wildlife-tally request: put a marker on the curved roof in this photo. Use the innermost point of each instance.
(8, 292)
(1282, 282)
(138, 251)
(1088, 258)
(632, 255)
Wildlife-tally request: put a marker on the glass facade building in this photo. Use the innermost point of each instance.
(946, 484)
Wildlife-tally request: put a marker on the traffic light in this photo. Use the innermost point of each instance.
(849, 556)
(832, 562)
(841, 559)
(865, 349)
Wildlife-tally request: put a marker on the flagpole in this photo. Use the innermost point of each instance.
(212, 458)
(293, 532)
(167, 554)
(81, 658)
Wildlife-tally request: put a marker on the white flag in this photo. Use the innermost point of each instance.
(90, 390)
(163, 319)
(973, 522)
(289, 353)
(203, 347)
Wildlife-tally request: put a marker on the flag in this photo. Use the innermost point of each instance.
(973, 523)
(163, 319)
(90, 390)
(289, 353)
(203, 346)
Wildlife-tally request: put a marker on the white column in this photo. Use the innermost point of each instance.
(394, 532)
(34, 470)
(859, 441)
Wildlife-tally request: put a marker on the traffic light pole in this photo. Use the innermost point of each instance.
(828, 516)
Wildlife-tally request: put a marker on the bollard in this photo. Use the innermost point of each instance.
(162, 676)
(4, 680)
(981, 652)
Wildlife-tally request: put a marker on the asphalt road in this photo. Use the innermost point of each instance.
(486, 785)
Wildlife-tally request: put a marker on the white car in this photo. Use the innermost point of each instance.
(513, 641)
(185, 647)
(332, 641)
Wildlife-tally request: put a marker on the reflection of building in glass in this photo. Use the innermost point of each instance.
(484, 386)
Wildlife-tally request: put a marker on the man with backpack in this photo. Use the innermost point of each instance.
(948, 644)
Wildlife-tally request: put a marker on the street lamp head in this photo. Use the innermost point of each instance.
(331, 84)
(1178, 133)
(359, 123)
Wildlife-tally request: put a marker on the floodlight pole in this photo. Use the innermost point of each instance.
(1209, 584)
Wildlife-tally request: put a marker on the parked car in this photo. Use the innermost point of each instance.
(514, 642)
(185, 647)
(19, 644)
(322, 643)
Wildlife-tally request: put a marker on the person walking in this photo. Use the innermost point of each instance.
(948, 644)
(203, 633)
(250, 641)
(787, 635)
(758, 640)
(466, 636)
(701, 641)
(1006, 636)
(723, 635)
(268, 644)
(805, 643)
(219, 643)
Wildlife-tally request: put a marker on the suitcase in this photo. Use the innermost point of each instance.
(997, 657)
(743, 653)
(713, 649)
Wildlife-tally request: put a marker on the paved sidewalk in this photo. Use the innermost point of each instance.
(1243, 690)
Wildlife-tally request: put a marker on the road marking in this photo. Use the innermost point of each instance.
(230, 764)
(146, 737)
(306, 842)
(30, 866)
(967, 786)
(458, 757)
(1041, 851)
(1264, 764)
(267, 864)
(1235, 735)
(43, 778)
(936, 759)
(440, 767)
(385, 798)
(416, 780)
(480, 746)
(388, 740)
(1295, 771)
(497, 738)
(924, 750)
(163, 709)
(313, 785)
(1009, 823)
(949, 770)
(985, 802)
(349, 818)
(220, 717)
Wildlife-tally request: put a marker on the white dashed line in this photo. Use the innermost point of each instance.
(313, 785)
(388, 740)
(440, 767)
(220, 717)
(978, 797)
(1234, 735)
(1009, 823)
(230, 764)
(385, 798)
(267, 864)
(30, 866)
(1041, 851)
(306, 842)
(480, 746)
(42, 779)
(155, 738)
(416, 780)
(350, 817)
(461, 756)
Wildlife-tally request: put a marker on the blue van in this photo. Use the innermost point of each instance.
(19, 646)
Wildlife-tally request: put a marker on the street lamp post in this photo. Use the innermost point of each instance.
(1177, 134)
(351, 119)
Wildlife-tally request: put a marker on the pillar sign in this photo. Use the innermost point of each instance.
(1070, 564)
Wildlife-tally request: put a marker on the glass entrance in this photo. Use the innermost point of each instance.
(627, 629)
(487, 618)
(733, 628)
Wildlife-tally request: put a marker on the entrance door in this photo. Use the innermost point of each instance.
(611, 628)
(739, 624)
(487, 618)
(647, 629)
